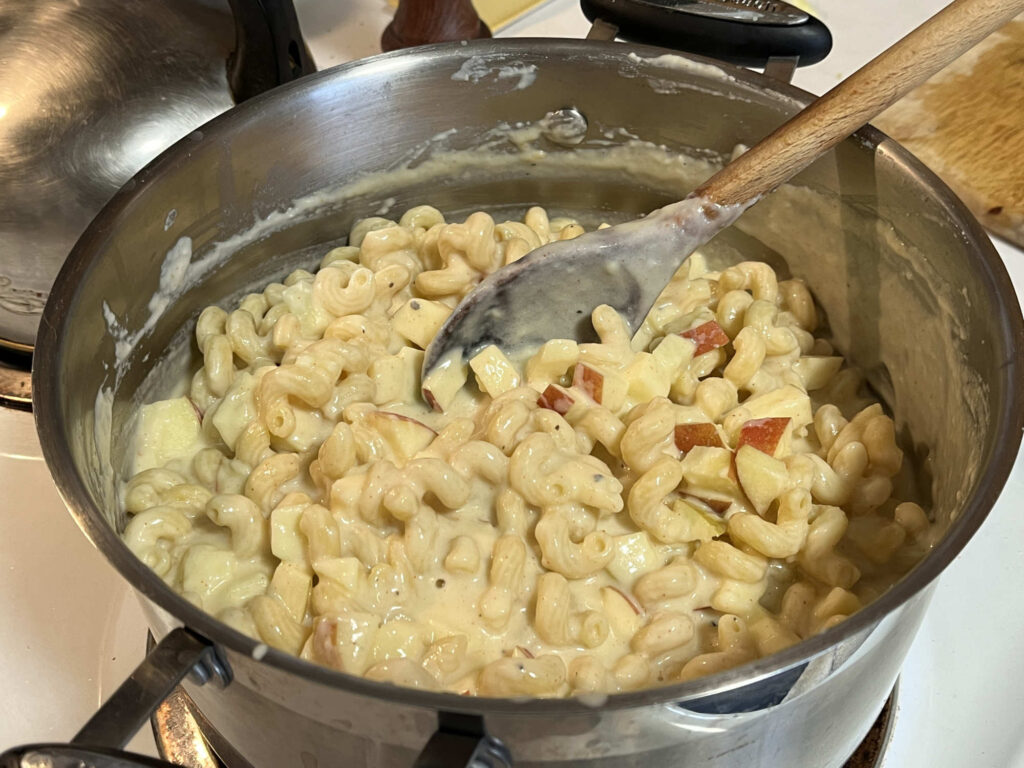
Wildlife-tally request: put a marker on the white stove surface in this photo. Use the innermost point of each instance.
(71, 630)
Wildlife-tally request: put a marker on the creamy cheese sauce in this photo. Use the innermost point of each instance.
(587, 519)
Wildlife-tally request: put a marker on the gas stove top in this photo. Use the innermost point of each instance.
(72, 630)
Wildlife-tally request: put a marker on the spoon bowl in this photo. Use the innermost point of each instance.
(625, 267)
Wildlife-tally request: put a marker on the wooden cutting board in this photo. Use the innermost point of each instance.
(967, 125)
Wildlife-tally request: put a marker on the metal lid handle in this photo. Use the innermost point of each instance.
(744, 32)
(269, 48)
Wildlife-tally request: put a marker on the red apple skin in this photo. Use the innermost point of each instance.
(763, 434)
(195, 407)
(707, 337)
(629, 599)
(588, 381)
(689, 436)
(718, 506)
(404, 436)
(402, 417)
(555, 400)
(432, 401)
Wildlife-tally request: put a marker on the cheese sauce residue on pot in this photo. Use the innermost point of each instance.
(600, 518)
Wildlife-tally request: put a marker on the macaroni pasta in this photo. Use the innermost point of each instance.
(595, 517)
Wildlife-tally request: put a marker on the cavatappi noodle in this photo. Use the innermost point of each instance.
(604, 517)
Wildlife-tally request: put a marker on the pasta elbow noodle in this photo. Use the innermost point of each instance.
(566, 557)
(542, 676)
(661, 503)
(266, 479)
(344, 289)
(243, 518)
(647, 502)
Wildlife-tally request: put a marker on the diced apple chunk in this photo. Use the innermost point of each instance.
(815, 371)
(412, 364)
(168, 429)
(786, 401)
(647, 378)
(673, 353)
(398, 639)
(343, 571)
(554, 399)
(688, 436)
(708, 473)
(495, 374)
(551, 362)
(707, 336)
(403, 435)
(696, 266)
(236, 409)
(443, 383)
(762, 477)
(765, 435)
(205, 568)
(386, 373)
(608, 389)
(589, 382)
(419, 320)
(396, 378)
(716, 507)
(635, 555)
(615, 389)
(287, 542)
(291, 584)
(700, 524)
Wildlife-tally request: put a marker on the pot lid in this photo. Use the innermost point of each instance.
(92, 91)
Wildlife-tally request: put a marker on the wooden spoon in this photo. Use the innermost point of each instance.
(551, 292)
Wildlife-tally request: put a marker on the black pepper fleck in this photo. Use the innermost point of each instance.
(439, 583)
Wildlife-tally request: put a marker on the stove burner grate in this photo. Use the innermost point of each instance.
(15, 379)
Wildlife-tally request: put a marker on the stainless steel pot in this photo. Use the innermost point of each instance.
(915, 293)
(94, 90)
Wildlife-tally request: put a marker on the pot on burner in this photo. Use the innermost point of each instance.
(916, 296)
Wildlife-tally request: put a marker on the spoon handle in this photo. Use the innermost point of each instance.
(856, 100)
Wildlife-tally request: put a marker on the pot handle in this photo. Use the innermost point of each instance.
(738, 31)
(100, 742)
(269, 48)
(462, 741)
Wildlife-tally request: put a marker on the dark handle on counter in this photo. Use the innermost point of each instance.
(743, 32)
(422, 22)
(100, 742)
(269, 48)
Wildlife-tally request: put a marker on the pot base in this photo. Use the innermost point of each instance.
(185, 737)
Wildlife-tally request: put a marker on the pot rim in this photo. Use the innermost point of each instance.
(49, 416)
